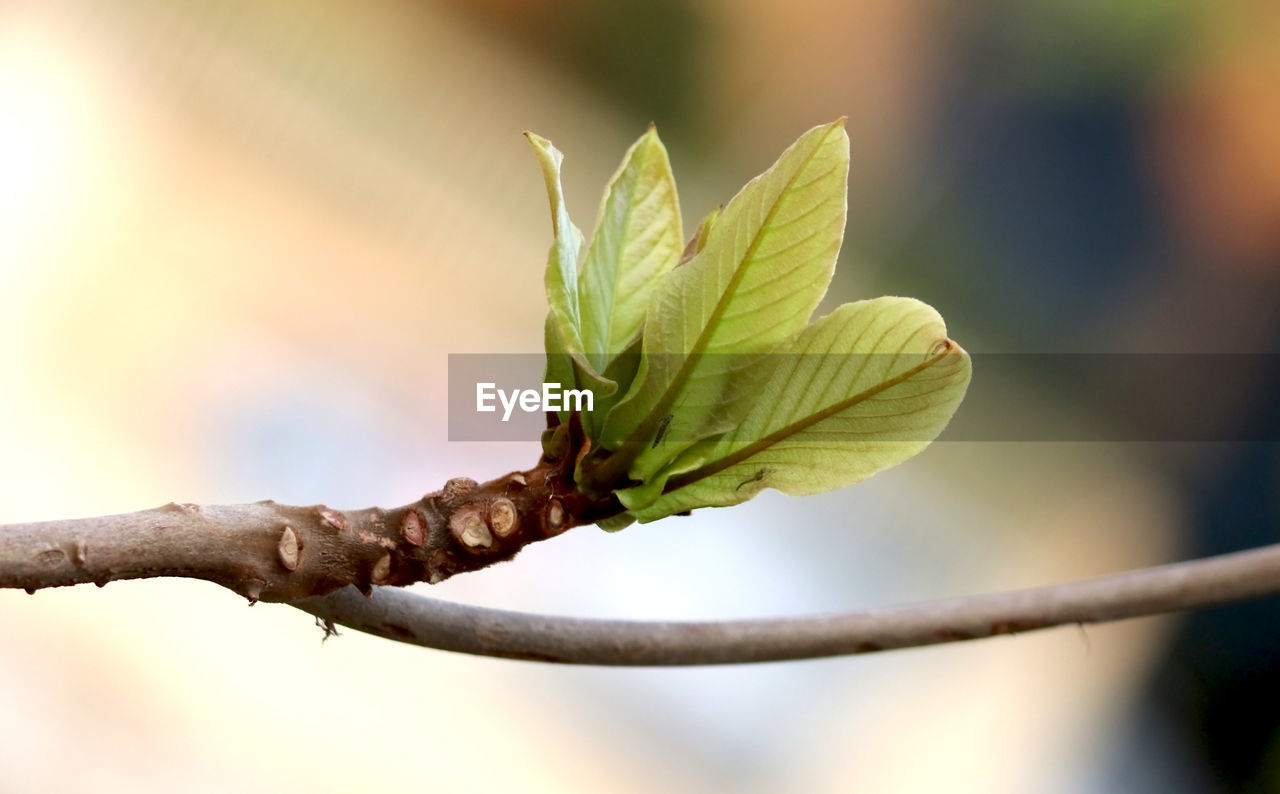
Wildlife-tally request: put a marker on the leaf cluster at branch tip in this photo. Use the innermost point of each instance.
(710, 383)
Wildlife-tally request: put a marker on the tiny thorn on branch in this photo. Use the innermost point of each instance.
(329, 629)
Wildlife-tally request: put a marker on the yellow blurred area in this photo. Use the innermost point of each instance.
(238, 241)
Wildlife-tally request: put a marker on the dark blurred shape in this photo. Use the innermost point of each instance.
(1039, 228)
(1044, 212)
(642, 55)
(1080, 47)
(1219, 686)
(1106, 176)
(1057, 207)
(1183, 398)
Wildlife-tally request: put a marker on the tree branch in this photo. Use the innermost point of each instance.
(411, 618)
(307, 556)
(272, 552)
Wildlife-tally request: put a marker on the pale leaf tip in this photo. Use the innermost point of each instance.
(948, 353)
(650, 138)
(942, 348)
(543, 146)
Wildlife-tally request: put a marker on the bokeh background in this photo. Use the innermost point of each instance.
(239, 239)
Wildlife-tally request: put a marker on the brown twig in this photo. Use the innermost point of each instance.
(407, 617)
(307, 555)
(272, 552)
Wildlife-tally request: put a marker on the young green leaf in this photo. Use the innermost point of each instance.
(637, 240)
(764, 267)
(860, 390)
(566, 248)
(567, 363)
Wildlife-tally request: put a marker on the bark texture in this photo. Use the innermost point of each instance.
(273, 552)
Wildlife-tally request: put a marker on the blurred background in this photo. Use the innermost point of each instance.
(239, 239)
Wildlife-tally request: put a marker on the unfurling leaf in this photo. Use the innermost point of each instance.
(566, 248)
(567, 363)
(637, 240)
(860, 390)
(763, 268)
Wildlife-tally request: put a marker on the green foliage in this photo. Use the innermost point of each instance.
(764, 266)
(565, 334)
(862, 389)
(637, 240)
(711, 385)
(567, 363)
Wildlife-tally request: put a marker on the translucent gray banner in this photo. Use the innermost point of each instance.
(1012, 397)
